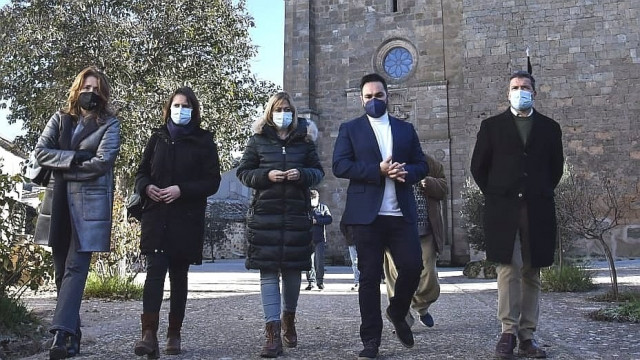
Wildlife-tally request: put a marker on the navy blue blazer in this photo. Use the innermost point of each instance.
(356, 156)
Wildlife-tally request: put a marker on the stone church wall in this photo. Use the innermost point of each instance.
(584, 55)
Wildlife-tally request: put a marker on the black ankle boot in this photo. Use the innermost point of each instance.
(58, 348)
(73, 344)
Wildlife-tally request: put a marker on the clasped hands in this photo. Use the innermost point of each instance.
(280, 176)
(394, 170)
(166, 195)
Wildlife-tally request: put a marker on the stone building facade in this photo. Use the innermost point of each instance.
(447, 64)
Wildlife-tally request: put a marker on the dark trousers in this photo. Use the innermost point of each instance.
(157, 266)
(316, 274)
(401, 239)
(71, 269)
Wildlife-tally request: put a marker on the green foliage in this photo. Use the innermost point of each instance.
(569, 278)
(23, 265)
(124, 258)
(112, 287)
(15, 318)
(472, 213)
(481, 269)
(148, 49)
(627, 310)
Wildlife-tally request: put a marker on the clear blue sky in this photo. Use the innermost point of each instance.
(268, 35)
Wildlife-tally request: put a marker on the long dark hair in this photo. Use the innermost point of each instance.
(191, 99)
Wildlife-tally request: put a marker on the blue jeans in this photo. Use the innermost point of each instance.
(272, 302)
(71, 270)
(353, 254)
(316, 274)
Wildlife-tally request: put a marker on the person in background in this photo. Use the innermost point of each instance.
(429, 193)
(179, 169)
(321, 218)
(517, 163)
(347, 232)
(280, 164)
(382, 158)
(80, 144)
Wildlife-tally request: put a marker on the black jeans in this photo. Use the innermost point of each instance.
(401, 238)
(157, 266)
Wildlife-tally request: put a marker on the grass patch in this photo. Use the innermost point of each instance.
(626, 310)
(570, 278)
(112, 287)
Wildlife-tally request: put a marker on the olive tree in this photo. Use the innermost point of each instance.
(147, 48)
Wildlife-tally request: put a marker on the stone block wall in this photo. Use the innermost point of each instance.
(584, 55)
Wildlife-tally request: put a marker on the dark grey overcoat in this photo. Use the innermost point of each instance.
(89, 185)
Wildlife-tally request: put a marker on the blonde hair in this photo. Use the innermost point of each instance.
(276, 100)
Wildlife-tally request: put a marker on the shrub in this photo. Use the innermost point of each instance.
(569, 278)
(628, 309)
(481, 269)
(112, 287)
(15, 318)
(23, 265)
(124, 259)
(472, 213)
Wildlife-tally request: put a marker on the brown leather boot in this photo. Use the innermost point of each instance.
(149, 343)
(173, 335)
(289, 335)
(273, 344)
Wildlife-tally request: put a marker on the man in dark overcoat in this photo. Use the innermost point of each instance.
(517, 162)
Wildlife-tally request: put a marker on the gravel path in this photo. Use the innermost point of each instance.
(224, 320)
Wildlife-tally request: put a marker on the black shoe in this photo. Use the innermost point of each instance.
(58, 348)
(73, 344)
(370, 350)
(321, 286)
(403, 331)
(309, 287)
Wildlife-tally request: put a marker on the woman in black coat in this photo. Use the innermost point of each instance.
(178, 171)
(280, 163)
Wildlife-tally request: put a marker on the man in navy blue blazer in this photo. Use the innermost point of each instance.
(382, 158)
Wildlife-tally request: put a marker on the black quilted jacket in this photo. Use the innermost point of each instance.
(279, 218)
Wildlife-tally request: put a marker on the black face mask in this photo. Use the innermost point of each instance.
(89, 100)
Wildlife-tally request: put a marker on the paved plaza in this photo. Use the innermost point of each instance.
(224, 320)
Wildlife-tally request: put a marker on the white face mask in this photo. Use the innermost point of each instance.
(282, 119)
(181, 115)
(521, 100)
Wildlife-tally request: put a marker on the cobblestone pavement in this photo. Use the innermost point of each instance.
(224, 320)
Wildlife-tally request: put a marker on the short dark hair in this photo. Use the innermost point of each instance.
(373, 78)
(191, 99)
(314, 193)
(524, 74)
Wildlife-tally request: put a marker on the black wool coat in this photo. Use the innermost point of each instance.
(279, 217)
(192, 163)
(508, 173)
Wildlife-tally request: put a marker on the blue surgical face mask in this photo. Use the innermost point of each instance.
(181, 115)
(521, 100)
(282, 119)
(375, 108)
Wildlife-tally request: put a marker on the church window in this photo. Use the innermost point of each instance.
(394, 5)
(398, 62)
